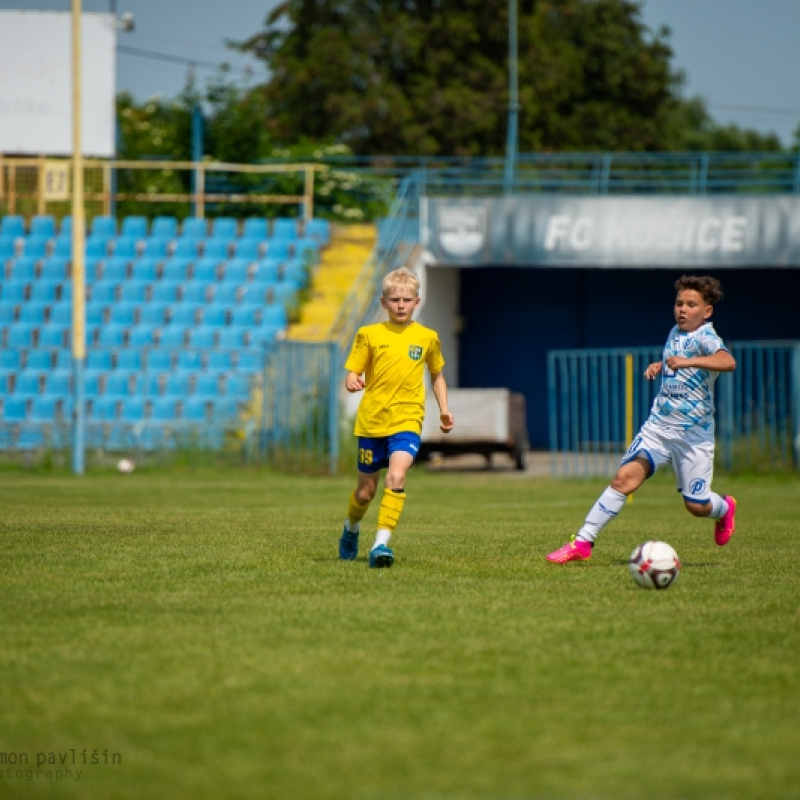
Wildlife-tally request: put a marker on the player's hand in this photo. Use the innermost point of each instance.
(354, 383)
(447, 422)
(652, 370)
(677, 362)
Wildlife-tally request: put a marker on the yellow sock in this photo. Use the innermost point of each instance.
(391, 508)
(355, 511)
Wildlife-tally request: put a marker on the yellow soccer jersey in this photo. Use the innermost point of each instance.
(393, 359)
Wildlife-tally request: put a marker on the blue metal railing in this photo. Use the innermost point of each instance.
(757, 420)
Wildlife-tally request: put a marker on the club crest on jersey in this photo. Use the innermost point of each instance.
(415, 352)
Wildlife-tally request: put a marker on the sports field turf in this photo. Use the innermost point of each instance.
(198, 629)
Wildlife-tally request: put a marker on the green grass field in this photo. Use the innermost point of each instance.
(198, 628)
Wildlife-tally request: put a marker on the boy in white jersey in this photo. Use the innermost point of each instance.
(680, 428)
(388, 361)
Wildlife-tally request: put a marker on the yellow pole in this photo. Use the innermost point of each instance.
(78, 245)
(629, 404)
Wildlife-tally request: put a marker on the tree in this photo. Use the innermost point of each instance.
(431, 76)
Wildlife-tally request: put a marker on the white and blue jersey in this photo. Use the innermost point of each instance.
(686, 397)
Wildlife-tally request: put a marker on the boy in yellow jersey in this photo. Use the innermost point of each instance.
(388, 360)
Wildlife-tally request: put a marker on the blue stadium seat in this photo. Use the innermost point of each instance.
(104, 291)
(207, 268)
(130, 360)
(106, 409)
(124, 314)
(164, 227)
(246, 315)
(207, 385)
(39, 360)
(113, 336)
(306, 248)
(195, 227)
(58, 383)
(14, 292)
(225, 228)
(36, 247)
(164, 409)
(279, 248)
(153, 315)
(15, 408)
(197, 409)
(219, 249)
(153, 384)
(42, 294)
(99, 360)
(142, 335)
(21, 335)
(216, 316)
(33, 314)
(54, 334)
(62, 246)
(203, 336)
(55, 269)
(23, 269)
(250, 249)
(12, 225)
(177, 268)
(274, 316)
(103, 226)
(238, 386)
(120, 384)
(160, 360)
(43, 225)
(284, 228)
(10, 360)
(157, 248)
(255, 294)
(29, 382)
(267, 271)
(191, 359)
(185, 314)
(164, 291)
(132, 409)
(255, 228)
(43, 409)
(225, 294)
(145, 268)
(319, 230)
(65, 226)
(8, 314)
(172, 336)
(126, 247)
(236, 270)
(97, 246)
(294, 270)
(232, 337)
(133, 291)
(186, 247)
(135, 227)
(178, 383)
(220, 361)
(250, 361)
(197, 291)
(116, 268)
(7, 249)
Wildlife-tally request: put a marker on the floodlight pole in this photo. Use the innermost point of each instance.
(78, 254)
(513, 98)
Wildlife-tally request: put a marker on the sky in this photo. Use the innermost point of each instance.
(740, 56)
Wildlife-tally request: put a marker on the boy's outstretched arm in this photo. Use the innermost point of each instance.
(440, 393)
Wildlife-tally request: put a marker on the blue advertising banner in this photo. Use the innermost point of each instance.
(565, 231)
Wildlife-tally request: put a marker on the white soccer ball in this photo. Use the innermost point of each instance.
(654, 565)
(125, 466)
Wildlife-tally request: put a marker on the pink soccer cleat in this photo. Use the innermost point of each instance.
(573, 550)
(726, 524)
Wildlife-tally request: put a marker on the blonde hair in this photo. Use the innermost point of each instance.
(400, 277)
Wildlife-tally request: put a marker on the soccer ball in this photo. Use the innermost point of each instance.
(125, 466)
(654, 565)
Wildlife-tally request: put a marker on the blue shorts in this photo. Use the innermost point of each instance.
(374, 452)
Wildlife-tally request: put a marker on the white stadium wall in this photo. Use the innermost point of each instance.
(36, 83)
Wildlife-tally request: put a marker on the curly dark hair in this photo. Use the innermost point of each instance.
(710, 289)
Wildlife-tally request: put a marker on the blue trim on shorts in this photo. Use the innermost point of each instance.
(694, 499)
(636, 455)
(374, 452)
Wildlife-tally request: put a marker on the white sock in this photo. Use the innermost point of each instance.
(719, 508)
(350, 527)
(608, 505)
(382, 537)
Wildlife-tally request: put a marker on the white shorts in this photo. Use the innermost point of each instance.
(690, 453)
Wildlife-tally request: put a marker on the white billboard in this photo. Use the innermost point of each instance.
(36, 83)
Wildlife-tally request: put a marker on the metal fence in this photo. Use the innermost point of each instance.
(599, 398)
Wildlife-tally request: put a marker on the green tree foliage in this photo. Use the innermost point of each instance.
(432, 77)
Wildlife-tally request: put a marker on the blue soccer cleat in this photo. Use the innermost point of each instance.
(381, 556)
(348, 545)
